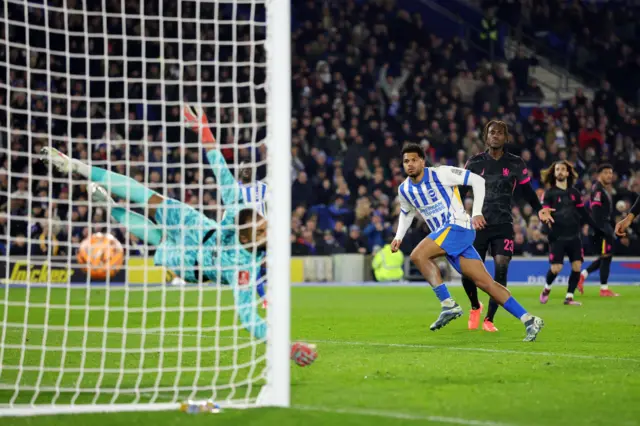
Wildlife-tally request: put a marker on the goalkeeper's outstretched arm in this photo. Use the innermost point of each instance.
(246, 306)
(229, 187)
(243, 291)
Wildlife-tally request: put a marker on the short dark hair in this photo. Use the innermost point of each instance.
(246, 217)
(413, 148)
(604, 166)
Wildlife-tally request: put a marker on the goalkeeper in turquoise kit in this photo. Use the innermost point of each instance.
(194, 247)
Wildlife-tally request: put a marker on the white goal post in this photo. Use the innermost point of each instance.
(105, 82)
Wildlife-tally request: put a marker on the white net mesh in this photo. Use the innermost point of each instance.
(105, 82)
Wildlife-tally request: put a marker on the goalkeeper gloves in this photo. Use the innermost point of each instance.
(197, 120)
(303, 354)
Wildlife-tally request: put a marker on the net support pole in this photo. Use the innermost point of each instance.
(278, 45)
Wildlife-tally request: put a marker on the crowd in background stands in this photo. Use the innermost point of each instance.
(367, 78)
(597, 39)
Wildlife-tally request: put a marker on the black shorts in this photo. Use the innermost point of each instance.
(603, 245)
(496, 239)
(572, 248)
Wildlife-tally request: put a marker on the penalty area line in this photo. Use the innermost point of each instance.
(392, 345)
(453, 348)
(398, 415)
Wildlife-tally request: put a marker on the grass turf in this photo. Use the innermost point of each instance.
(378, 362)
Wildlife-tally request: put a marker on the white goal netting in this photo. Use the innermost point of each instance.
(105, 82)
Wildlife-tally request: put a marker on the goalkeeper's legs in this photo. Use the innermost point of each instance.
(135, 223)
(120, 185)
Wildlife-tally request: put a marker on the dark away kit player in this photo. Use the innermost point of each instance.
(603, 213)
(565, 236)
(503, 172)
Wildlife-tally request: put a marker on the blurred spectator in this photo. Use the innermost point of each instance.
(356, 243)
(376, 233)
(519, 66)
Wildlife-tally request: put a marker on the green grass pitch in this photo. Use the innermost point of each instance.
(378, 362)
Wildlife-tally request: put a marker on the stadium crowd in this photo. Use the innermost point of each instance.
(367, 77)
(595, 39)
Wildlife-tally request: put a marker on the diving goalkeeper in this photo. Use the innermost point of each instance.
(196, 248)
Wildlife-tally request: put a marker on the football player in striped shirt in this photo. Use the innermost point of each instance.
(433, 192)
(255, 194)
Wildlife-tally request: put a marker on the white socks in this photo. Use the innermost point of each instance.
(525, 317)
(80, 168)
(547, 287)
(448, 303)
(604, 286)
(569, 296)
(584, 273)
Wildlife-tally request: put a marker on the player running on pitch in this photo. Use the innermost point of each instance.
(188, 243)
(621, 227)
(565, 234)
(603, 214)
(503, 172)
(434, 193)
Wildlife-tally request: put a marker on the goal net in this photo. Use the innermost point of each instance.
(106, 82)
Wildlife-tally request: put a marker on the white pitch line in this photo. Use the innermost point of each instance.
(408, 345)
(450, 348)
(453, 348)
(397, 415)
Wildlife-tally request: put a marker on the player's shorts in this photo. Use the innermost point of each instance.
(572, 248)
(457, 242)
(496, 239)
(184, 228)
(603, 245)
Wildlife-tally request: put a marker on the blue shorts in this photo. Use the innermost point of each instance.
(457, 242)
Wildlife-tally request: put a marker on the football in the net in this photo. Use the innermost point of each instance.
(100, 255)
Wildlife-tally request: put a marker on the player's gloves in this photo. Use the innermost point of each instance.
(303, 354)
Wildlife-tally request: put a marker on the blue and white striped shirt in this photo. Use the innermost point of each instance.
(437, 197)
(255, 194)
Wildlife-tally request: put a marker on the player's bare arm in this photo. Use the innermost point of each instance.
(529, 194)
(621, 227)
